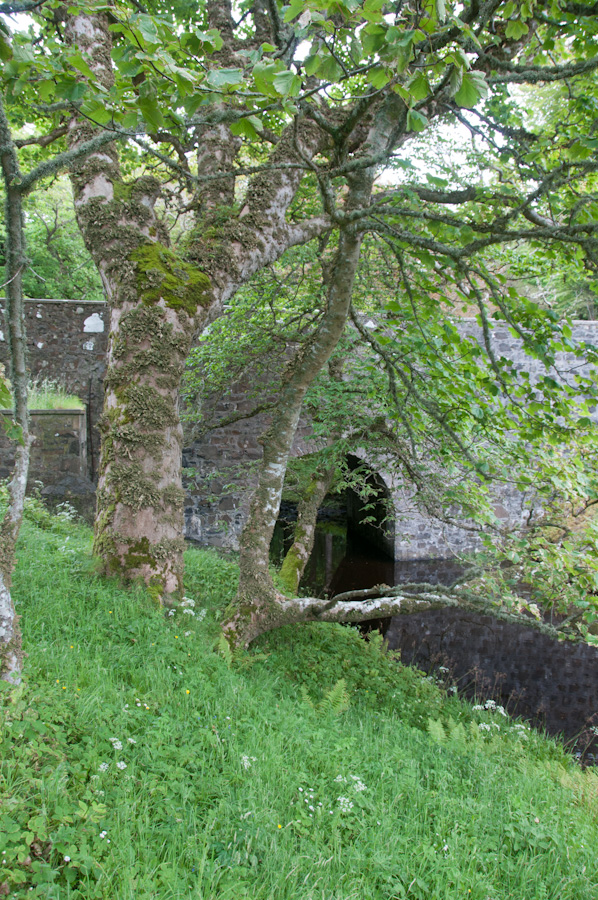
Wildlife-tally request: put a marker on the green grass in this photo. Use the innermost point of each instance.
(49, 394)
(212, 801)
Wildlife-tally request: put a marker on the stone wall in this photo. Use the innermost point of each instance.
(554, 684)
(218, 459)
(59, 449)
(66, 343)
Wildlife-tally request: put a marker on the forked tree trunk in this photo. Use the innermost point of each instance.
(10, 635)
(258, 606)
(157, 305)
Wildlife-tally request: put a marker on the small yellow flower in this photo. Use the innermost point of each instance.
(72, 647)
(109, 610)
(187, 692)
(176, 637)
(58, 681)
(64, 687)
(280, 826)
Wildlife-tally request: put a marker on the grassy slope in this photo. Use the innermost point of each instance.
(212, 802)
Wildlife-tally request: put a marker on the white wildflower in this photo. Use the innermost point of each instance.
(345, 804)
(103, 767)
(201, 614)
(188, 612)
(358, 783)
(103, 834)
(477, 707)
(247, 760)
(340, 778)
(483, 726)
(117, 745)
(490, 704)
(121, 765)
(131, 740)
(67, 859)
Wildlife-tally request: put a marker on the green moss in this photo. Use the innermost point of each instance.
(162, 275)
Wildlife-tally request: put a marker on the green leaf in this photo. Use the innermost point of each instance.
(151, 112)
(418, 86)
(220, 78)
(263, 75)
(473, 88)
(295, 8)
(248, 127)
(77, 62)
(416, 121)
(5, 49)
(13, 431)
(148, 29)
(329, 69)
(287, 83)
(516, 29)
(378, 77)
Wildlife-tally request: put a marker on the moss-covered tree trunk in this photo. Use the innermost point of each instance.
(158, 303)
(156, 306)
(10, 635)
(297, 556)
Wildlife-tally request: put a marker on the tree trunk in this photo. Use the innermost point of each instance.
(156, 306)
(258, 606)
(10, 635)
(297, 557)
(158, 303)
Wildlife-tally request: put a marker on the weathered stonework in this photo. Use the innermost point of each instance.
(552, 683)
(65, 344)
(214, 516)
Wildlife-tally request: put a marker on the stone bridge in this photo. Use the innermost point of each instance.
(67, 343)
(555, 685)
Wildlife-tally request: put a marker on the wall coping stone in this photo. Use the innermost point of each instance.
(75, 411)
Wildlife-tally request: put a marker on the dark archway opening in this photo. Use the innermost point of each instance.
(354, 542)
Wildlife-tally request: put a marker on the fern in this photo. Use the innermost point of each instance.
(336, 700)
(436, 730)
(224, 650)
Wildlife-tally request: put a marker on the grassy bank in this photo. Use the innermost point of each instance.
(136, 763)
